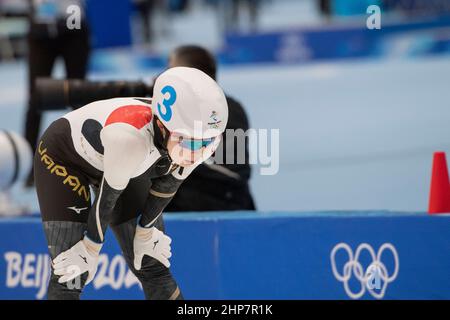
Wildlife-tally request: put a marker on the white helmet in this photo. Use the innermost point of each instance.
(189, 102)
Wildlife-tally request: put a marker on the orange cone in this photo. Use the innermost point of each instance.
(440, 185)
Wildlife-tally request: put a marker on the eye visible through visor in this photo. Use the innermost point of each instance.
(195, 144)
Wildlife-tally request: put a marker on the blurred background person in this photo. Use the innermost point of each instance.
(325, 8)
(50, 38)
(145, 9)
(238, 15)
(220, 187)
(13, 26)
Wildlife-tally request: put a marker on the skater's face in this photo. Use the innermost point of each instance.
(180, 154)
(184, 151)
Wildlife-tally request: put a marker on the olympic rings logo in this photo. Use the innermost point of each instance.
(374, 277)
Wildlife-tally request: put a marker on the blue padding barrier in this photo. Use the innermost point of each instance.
(302, 45)
(305, 45)
(325, 255)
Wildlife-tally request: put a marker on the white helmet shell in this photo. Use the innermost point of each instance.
(189, 102)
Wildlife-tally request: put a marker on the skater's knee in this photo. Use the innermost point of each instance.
(157, 281)
(70, 290)
(153, 271)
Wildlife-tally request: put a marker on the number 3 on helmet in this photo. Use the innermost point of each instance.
(166, 115)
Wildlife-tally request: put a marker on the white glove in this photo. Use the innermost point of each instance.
(82, 257)
(151, 242)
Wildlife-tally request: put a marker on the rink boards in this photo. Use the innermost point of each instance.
(317, 255)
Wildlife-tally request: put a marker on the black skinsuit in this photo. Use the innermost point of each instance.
(55, 161)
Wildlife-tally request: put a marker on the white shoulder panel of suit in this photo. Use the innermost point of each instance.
(125, 151)
(126, 134)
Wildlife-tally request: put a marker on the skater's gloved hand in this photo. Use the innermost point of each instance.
(151, 242)
(82, 257)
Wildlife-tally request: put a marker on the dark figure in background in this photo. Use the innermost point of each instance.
(233, 15)
(50, 38)
(145, 10)
(325, 8)
(218, 187)
(253, 12)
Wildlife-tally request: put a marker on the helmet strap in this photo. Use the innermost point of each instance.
(161, 138)
(160, 141)
(165, 164)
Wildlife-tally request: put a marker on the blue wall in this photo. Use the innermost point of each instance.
(259, 256)
(301, 45)
(109, 22)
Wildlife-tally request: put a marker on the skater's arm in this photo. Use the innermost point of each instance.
(125, 150)
(162, 191)
(147, 235)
